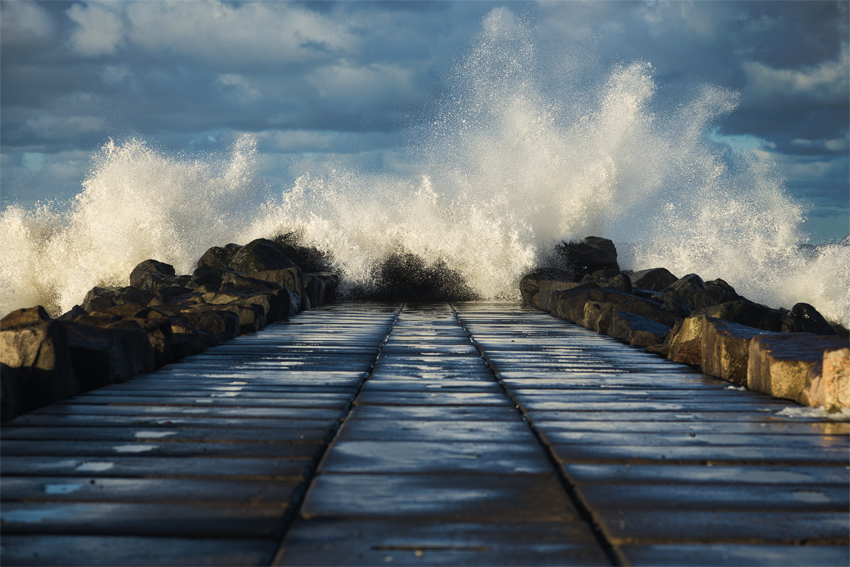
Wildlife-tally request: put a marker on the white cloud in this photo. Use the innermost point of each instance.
(60, 127)
(835, 145)
(99, 31)
(24, 23)
(828, 81)
(241, 88)
(251, 33)
(350, 85)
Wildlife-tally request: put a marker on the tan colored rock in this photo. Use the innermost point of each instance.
(547, 291)
(725, 349)
(686, 342)
(780, 363)
(597, 316)
(836, 379)
(27, 316)
(36, 367)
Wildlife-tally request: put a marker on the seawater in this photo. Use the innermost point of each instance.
(507, 169)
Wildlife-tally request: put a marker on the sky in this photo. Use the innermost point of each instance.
(319, 82)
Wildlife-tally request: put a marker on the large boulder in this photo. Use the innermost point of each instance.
(213, 324)
(685, 341)
(151, 274)
(101, 357)
(35, 363)
(653, 279)
(319, 288)
(588, 255)
(697, 294)
(780, 363)
(636, 330)
(290, 279)
(570, 304)
(751, 314)
(219, 257)
(101, 298)
(810, 319)
(725, 349)
(261, 255)
(529, 285)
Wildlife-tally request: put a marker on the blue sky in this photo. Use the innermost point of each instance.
(326, 81)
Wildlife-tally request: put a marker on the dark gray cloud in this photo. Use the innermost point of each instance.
(355, 78)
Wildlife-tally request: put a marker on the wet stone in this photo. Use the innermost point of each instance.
(376, 542)
(62, 550)
(450, 497)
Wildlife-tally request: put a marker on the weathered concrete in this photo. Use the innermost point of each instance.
(484, 434)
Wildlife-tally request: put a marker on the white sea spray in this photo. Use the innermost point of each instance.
(507, 168)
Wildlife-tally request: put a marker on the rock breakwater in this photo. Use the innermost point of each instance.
(161, 317)
(794, 354)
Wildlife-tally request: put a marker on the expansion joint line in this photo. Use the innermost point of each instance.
(299, 501)
(586, 514)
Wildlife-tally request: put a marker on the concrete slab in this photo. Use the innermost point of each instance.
(448, 497)
(700, 455)
(178, 433)
(436, 412)
(715, 474)
(435, 397)
(750, 427)
(797, 498)
(59, 550)
(206, 410)
(737, 555)
(665, 526)
(282, 425)
(161, 448)
(422, 457)
(371, 542)
(151, 490)
(202, 521)
(119, 466)
(407, 430)
(691, 439)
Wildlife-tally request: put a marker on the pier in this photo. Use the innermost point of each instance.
(479, 433)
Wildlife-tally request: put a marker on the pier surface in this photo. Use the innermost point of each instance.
(467, 434)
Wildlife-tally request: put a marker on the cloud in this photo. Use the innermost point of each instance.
(54, 127)
(828, 81)
(99, 30)
(24, 24)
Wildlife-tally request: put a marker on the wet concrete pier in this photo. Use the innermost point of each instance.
(468, 434)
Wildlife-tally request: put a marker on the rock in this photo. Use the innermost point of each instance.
(319, 289)
(150, 274)
(101, 357)
(686, 341)
(260, 255)
(697, 294)
(569, 304)
(218, 257)
(27, 316)
(745, 312)
(654, 279)
(604, 278)
(588, 255)
(779, 363)
(159, 335)
(207, 276)
(836, 379)
(102, 298)
(725, 349)
(811, 321)
(529, 285)
(213, 325)
(73, 313)
(290, 279)
(36, 365)
(597, 316)
(548, 288)
(636, 330)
